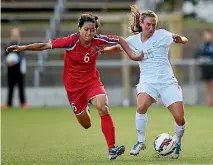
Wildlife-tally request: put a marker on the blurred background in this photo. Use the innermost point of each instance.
(41, 20)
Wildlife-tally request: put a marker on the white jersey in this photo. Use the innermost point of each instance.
(155, 67)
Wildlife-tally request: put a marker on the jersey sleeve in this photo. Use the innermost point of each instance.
(63, 42)
(167, 37)
(107, 39)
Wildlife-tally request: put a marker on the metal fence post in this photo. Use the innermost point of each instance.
(125, 69)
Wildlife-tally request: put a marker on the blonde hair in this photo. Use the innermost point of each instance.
(135, 17)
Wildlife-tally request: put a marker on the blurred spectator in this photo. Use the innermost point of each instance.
(16, 69)
(205, 55)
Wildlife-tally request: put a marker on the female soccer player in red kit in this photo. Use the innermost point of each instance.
(81, 78)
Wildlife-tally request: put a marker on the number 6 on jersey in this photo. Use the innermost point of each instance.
(86, 58)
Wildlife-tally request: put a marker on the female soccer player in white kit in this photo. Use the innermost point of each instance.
(156, 75)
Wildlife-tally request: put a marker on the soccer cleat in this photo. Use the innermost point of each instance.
(176, 152)
(137, 148)
(116, 151)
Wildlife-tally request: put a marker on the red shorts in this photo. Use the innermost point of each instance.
(80, 99)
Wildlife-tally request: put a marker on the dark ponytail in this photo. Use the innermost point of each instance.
(97, 23)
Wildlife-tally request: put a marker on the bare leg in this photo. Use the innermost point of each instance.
(177, 110)
(101, 104)
(143, 103)
(84, 119)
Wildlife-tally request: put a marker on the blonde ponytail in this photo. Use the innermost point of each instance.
(134, 20)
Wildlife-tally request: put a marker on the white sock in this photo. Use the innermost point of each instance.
(179, 131)
(141, 121)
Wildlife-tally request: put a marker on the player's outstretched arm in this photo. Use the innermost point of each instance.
(128, 51)
(111, 50)
(33, 47)
(115, 49)
(179, 39)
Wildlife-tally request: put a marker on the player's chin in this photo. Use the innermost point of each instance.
(88, 39)
(150, 34)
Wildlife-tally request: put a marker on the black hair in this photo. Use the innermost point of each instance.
(88, 17)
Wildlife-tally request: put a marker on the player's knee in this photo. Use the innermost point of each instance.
(86, 126)
(84, 120)
(180, 120)
(85, 123)
(142, 108)
(103, 109)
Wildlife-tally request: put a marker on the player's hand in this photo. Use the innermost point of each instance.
(138, 57)
(15, 48)
(177, 38)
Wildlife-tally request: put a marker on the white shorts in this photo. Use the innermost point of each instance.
(168, 94)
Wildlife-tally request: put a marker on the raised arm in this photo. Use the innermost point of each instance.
(179, 39)
(33, 47)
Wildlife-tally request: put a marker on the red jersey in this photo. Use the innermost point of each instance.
(80, 62)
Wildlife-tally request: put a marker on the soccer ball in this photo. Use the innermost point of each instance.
(12, 58)
(164, 144)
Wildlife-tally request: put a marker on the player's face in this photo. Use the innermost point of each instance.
(149, 25)
(87, 31)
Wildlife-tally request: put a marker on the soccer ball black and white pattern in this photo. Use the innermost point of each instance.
(164, 144)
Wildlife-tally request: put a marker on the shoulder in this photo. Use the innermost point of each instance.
(73, 36)
(106, 39)
(101, 37)
(133, 38)
(163, 32)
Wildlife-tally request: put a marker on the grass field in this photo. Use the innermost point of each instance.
(52, 136)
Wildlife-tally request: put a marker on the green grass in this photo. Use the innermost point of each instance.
(52, 136)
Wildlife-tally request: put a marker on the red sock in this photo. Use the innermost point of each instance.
(108, 130)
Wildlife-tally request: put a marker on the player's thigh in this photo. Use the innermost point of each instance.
(97, 96)
(80, 108)
(177, 110)
(171, 96)
(146, 95)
